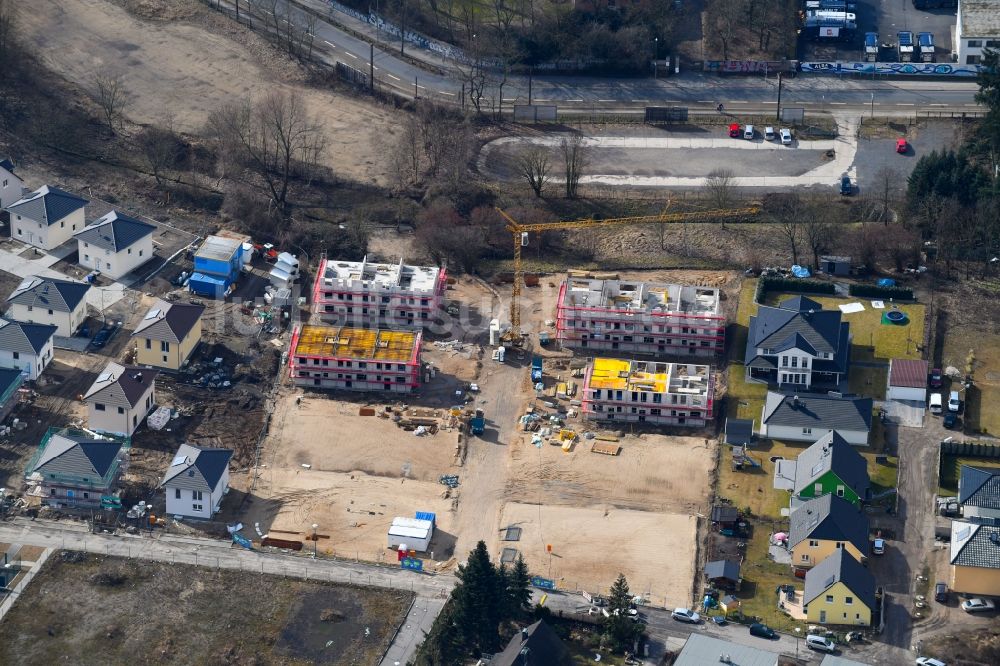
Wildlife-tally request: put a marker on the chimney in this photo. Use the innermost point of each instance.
(795, 401)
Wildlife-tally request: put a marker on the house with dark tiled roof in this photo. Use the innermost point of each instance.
(115, 244)
(43, 300)
(830, 466)
(534, 645)
(196, 481)
(75, 468)
(120, 398)
(26, 347)
(975, 558)
(11, 186)
(47, 217)
(168, 334)
(839, 591)
(797, 345)
(824, 525)
(809, 417)
(979, 492)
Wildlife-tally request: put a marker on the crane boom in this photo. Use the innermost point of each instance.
(517, 229)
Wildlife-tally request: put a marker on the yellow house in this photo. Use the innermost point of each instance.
(822, 526)
(839, 590)
(975, 558)
(168, 334)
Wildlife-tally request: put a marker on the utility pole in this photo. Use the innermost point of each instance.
(315, 540)
(371, 67)
(777, 112)
(873, 105)
(530, 72)
(415, 93)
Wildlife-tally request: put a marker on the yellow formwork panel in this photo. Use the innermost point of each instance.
(616, 374)
(360, 343)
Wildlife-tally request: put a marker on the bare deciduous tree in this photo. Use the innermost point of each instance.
(533, 165)
(574, 162)
(720, 188)
(818, 230)
(431, 143)
(276, 137)
(160, 149)
(112, 96)
(789, 211)
(8, 32)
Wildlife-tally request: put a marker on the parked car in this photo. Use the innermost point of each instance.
(845, 186)
(950, 421)
(878, 547)
(786, 136)
(936, 379)
(901, 146)
(686, 615)
(748, 133)
(940, 592)
(734, 130)
(762, 631)
(769, 133)
(820, 644)
(929, 661)
(954, 402)
(101, 338)
(936, 402)
(977, 605)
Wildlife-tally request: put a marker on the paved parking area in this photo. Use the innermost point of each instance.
(905, 413)
(876, 154)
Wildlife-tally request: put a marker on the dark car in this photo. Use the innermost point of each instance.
(762, 630)
(936, 379)
(950, 420)
(940, 592)
(845, 186)
(101, 338)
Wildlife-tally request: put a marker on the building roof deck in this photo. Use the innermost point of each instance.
(219, 248)
(619, 375)
(356, 343)
(657, 298)
(376, 275)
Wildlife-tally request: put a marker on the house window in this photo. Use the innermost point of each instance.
(805, 558)
(992, 43)
(17, 354)
(848, 600)
(973, 59)
(140, 253)
(177, 493)
(62, 224)
(829, 598)
(975, 43)
(840, 544)
(149, 343)
(86, 257)
(86, 496)
(130, 251)
(99, 407)
(807, 431)
(840, 491)
(805, 363)
(813, 543)
(50, 311)
(164, 346)
(31, 308)
(196, 495)
(121, 410)
(20, 232)
(196, 507)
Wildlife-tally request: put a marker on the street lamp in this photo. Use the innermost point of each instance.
(656, 54)
(315, 540)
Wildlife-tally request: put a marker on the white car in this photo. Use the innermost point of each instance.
(686, 615)
(929, 661)
(786, 136)
(748, 132)
(769, 133)
(977, 605)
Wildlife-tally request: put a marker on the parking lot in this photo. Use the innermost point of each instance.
(886, 17)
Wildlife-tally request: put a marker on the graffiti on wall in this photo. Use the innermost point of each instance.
(748, 66)
(892, 68)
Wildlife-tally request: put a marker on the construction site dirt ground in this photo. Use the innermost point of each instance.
(112, 611)
(591, 546)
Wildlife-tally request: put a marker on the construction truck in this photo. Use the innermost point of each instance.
(477, 424)
(536, 369)
(871, 46)
(925, 42)
(904, 46)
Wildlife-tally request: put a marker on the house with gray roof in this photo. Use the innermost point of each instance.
(831, 465)
(824, 525)
(26, 347)
(534, 645)
(809, 417)
(44, 300)
(75, 468)
(120, 398)
(702, 650)
(979, 493)
(840, 591)
(168, 334)
(11, 186)
(115, 244)
(798, 345)
(196, 481)
(975, 558)
(47, 217)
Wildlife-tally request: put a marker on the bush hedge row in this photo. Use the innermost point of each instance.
(874, 291)
(768, 284)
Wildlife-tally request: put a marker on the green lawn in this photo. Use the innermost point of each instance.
(980, 414)
(951, 468)
(761, 576)
(882, 477)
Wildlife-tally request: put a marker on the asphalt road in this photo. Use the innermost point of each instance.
(341, 38)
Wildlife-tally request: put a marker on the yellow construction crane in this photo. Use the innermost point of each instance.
(520, 232)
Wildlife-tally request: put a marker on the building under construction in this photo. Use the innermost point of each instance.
(646, 391)
(356, 359)
(78, 469)
(373, 295)
(640, 317)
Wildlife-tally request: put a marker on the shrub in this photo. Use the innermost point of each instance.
(769, 284)
(874, 291)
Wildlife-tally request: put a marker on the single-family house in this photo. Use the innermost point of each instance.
(26, 347)
(47, 217)
(44, 300)
(11, 380)
(168, 334)
(115, 244)
(11, 186)
(810, 417)
(120, 398)
(536, 644)
(839, 590)
(196, 481)
(798, 345)
(702, 650)
(907, 381)
(824, 525)
(73, 468)
(975, 558)
(830, 466)
(979, 493)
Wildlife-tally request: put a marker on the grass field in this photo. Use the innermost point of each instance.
(951, 468)
(980, 412)
(111, 611)
(761, 576)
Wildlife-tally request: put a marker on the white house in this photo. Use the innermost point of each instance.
(807, 418)
(27, 347)
(907, 381)
(977, 27)
(46, 218)
(196, 481)
(979, 493)
(40, 300)
(11, 185)
(115, 244)
(120, 398)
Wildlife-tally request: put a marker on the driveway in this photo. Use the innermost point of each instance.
(40, 264)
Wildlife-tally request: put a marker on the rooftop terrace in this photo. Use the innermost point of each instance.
(640, 296)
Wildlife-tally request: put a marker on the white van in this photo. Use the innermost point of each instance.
(748, 132)
(820, 643)
(936, 403)
(954, 402)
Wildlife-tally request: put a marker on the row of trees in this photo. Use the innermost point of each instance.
(536, 167)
